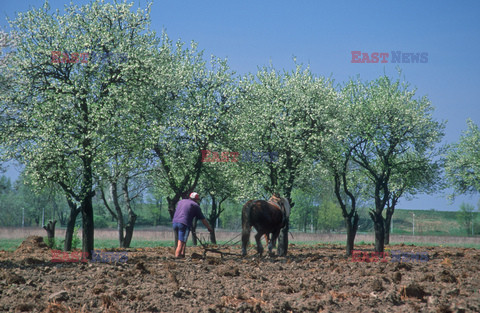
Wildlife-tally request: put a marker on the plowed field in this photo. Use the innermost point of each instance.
(315, 278)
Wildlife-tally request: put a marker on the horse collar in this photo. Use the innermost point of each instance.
(279, 205)
(275, 203)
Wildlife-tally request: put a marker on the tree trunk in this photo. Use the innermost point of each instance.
(282, 249)
(389, 214)
(352, 226)
(50, 228)
(378, 224)
(387, 232)
(87, 226)
(129, 230)
(381, 200)
(283, 239)
(74, 211)
(67, 246)
(213, 216)
(119, 214)
(213, 238)
(87, 192)
(121, 238)
(132, 217)
(388, 221)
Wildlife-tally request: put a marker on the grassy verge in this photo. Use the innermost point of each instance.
(12, 244)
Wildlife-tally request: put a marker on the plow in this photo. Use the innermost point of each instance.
(222, 250)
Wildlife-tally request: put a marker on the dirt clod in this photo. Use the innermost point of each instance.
(397, 277)
(447, 277)
(377, 285)
(12, 278)
(415, 290)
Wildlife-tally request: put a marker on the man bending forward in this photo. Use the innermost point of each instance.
(186, 210)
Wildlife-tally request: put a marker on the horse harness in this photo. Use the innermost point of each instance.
(278, 203)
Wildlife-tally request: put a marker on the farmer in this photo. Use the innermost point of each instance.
(186, 210)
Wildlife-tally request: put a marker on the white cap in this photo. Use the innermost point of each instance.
(194, 196)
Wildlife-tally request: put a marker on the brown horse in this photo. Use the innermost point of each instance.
(268, 217)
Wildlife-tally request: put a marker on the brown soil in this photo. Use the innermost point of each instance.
(310, 279)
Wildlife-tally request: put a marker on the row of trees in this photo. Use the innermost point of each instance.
(20, 205)
(114, 129)
(315, 212)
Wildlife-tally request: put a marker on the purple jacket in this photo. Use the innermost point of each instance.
(186, 210)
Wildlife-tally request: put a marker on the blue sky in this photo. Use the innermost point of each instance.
(322, 34)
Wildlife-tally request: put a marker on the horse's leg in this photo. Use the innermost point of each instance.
(274, 240)
(246, 226)
(258, 238)
(268, 242)
(245, 239)
(271, 244)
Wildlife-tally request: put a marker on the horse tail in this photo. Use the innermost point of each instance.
(246, 225)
